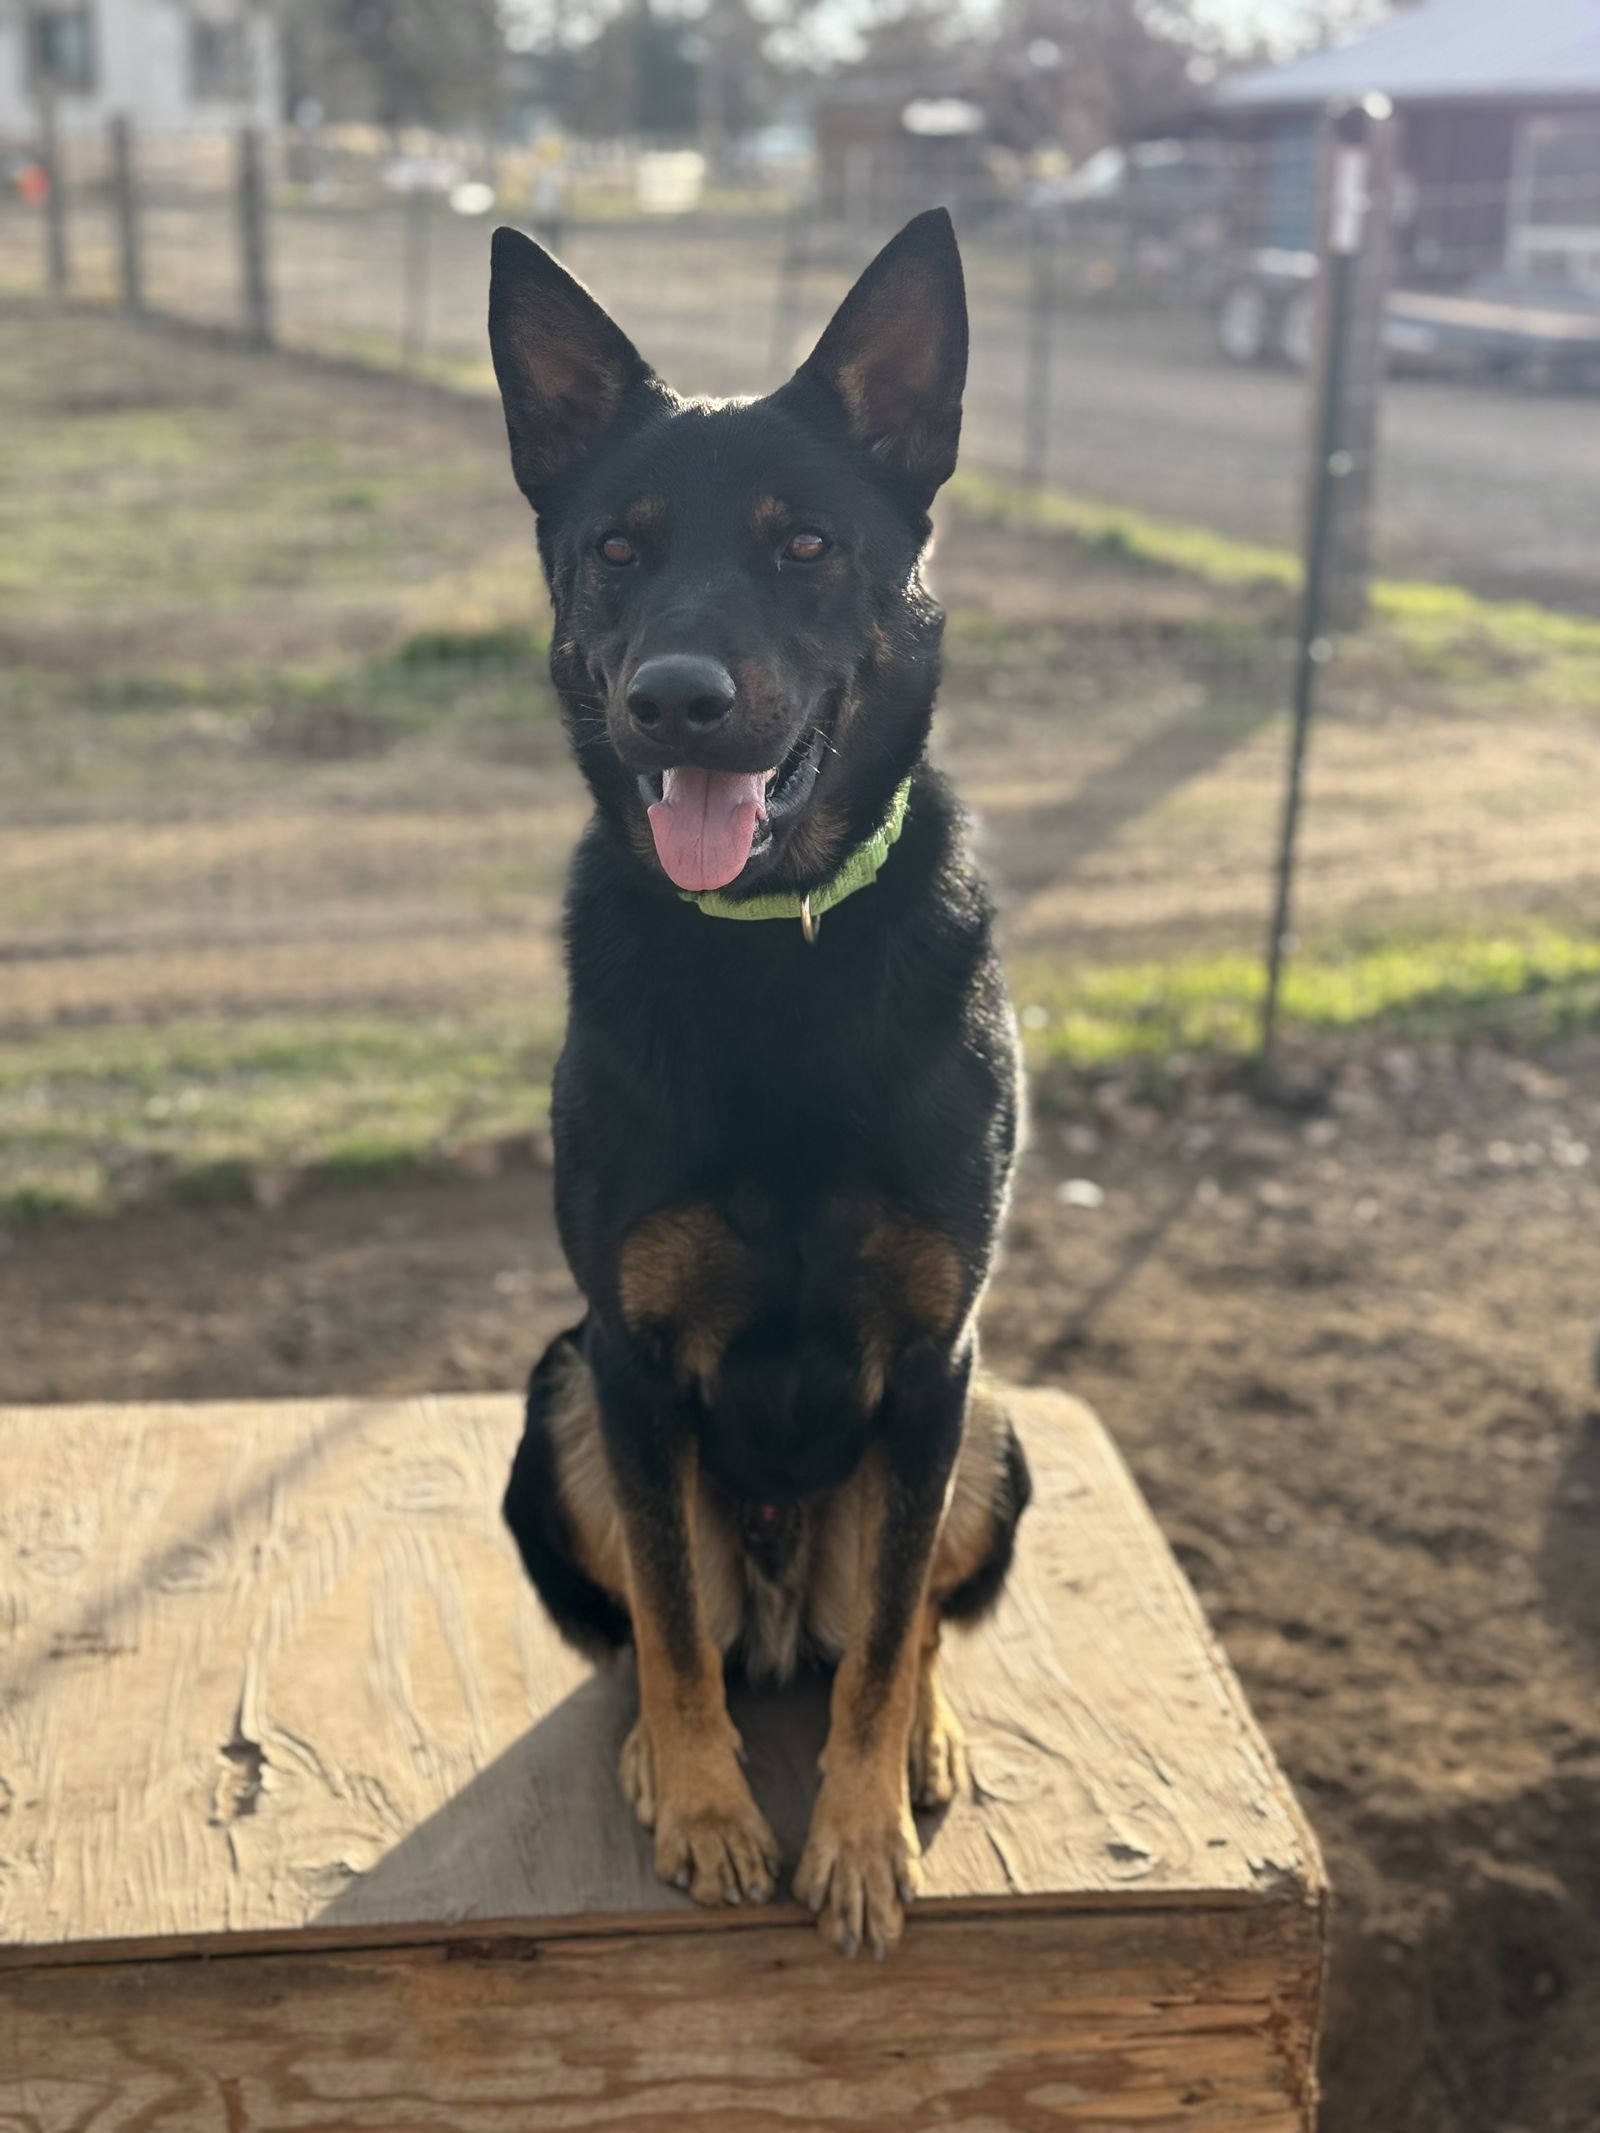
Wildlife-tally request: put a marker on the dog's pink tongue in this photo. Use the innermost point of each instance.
(704, 824)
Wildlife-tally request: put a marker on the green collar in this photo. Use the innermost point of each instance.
(858, 871)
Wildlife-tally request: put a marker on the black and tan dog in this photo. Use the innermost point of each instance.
(785, 1113)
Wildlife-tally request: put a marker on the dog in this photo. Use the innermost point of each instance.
(786, 1109)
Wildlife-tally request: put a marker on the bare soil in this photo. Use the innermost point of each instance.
(1346, 1346)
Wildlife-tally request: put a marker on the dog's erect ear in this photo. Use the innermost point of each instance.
(564, 367)
(895, 353)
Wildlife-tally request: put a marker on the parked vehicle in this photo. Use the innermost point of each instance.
(1265, 312)
(1534, 333)
(1529, 332)
(1155, 212)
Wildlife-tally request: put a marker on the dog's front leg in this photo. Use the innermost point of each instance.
(680, 1764)
(861, 1864)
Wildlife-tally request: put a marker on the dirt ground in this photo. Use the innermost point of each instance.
(1346, 1347)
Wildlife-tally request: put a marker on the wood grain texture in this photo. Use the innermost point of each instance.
(1193, 2023)
(273, 1669)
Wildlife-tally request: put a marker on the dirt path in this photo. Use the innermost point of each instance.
(1348, 1355)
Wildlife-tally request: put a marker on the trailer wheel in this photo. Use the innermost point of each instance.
(1244, 322)
(1296, 336)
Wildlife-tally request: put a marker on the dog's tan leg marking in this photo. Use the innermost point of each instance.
(594, 1516)
(684, 1274)
(937, 1756)
(939, 1763)
(862, 1861)
(584, 1480)
(680, 1764)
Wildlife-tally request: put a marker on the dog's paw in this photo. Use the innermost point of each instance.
(711, 1838)
(861, 1866)
(937, 1763)
(720, 1854)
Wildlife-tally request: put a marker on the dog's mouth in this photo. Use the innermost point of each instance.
(709, 824)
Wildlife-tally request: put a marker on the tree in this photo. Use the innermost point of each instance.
(635, 77)
(396, 62)
(1084, 73)
(1322, 22)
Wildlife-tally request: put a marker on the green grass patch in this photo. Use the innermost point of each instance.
(93, 1118)
(1439, 631)
(997, 646)
(1458, 637)
(509, 644)
(1103, 1017)
(210, 567)
(1127, 536)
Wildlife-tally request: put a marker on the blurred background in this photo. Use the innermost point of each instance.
(285, 806)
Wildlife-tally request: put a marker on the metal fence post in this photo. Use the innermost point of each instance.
(1348, 227)
(253, 239)
(58, 270)
(793, 264)
(1349, 536)
(1039, 355)
(125, 194)
(415, 277)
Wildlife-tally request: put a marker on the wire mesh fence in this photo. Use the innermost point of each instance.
(286, 803)
(1150, 356)
(1101, 340)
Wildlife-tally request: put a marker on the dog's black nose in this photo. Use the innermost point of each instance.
(679, 696)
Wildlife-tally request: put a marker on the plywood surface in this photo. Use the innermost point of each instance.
(273, 1668)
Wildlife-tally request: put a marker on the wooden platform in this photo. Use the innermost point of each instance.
(272, 1689)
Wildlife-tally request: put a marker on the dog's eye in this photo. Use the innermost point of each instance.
(618, 550)
(806, 547)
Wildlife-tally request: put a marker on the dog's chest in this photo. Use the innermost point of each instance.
(781, 1578)
(785, 1333)
(711, 1275)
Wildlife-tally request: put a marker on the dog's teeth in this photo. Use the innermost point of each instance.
(770, 775)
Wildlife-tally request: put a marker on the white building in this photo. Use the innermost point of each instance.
(172, 66)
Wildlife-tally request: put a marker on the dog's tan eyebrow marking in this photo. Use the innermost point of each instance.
(768, 515)
(646, 514)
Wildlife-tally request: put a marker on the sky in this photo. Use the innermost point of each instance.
(1281, 21)
(1268, 16)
